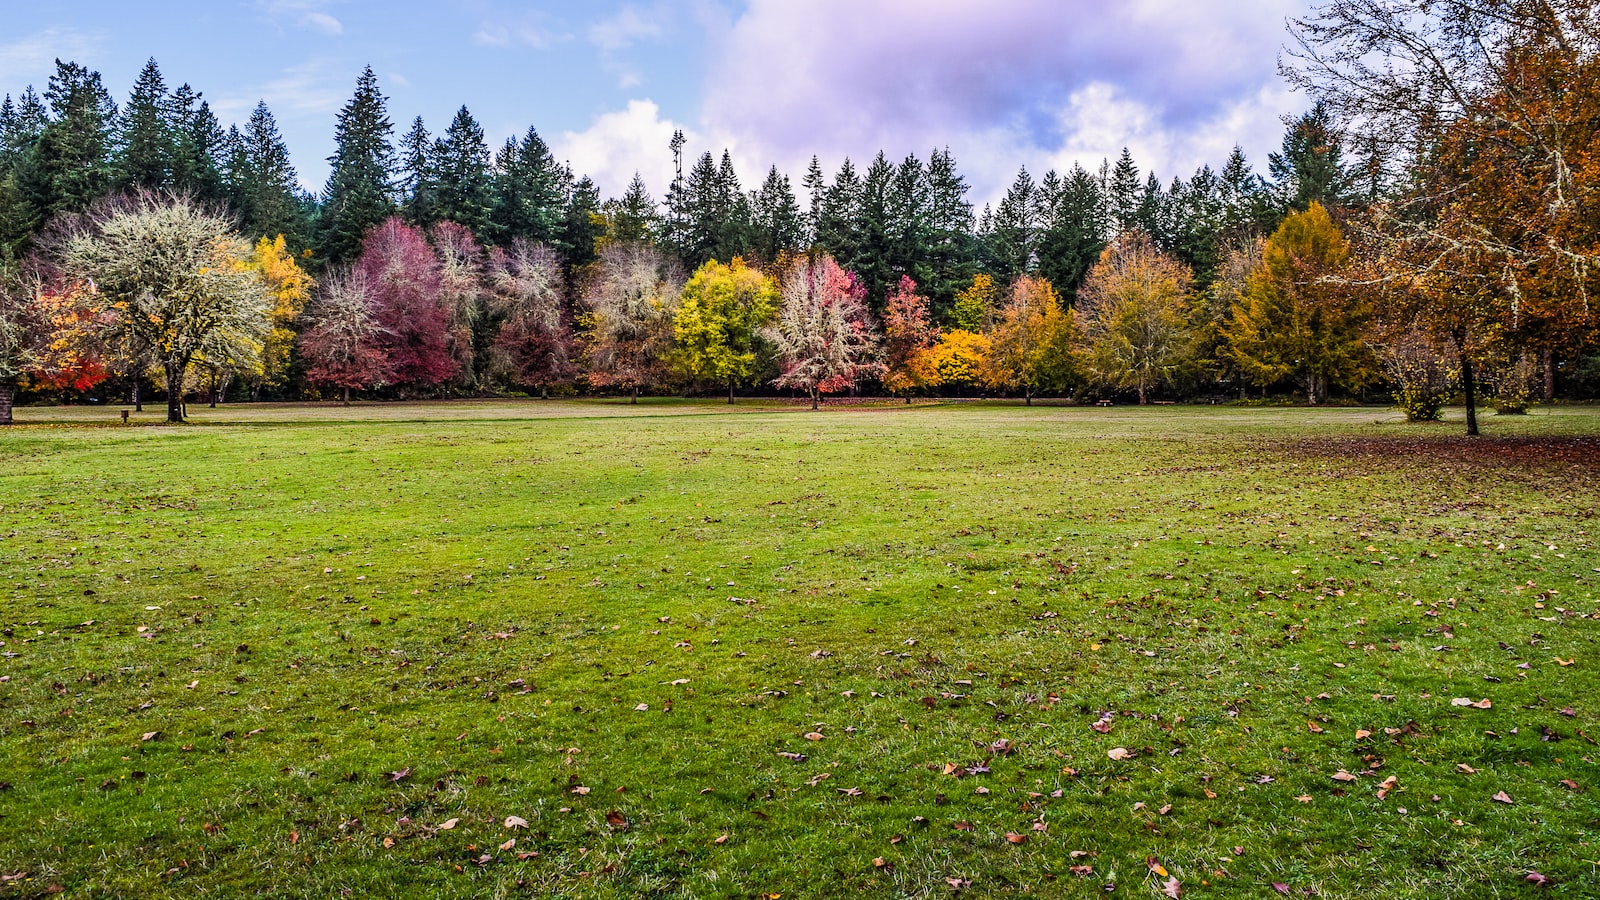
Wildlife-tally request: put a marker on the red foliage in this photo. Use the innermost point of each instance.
(403, 273)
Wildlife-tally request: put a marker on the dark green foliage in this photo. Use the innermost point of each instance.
(418, 175)
(197, 144)
(709, 215)
(262, 182)
(359, 194)
(461, 167)
(530, 192)
(776, 224)
(1073, 227)
(69, 165)
(633, 219)
(1310, 167)
(835, 211)
(581, 225)
(145, 139)
(1122, 192)
(950, 254)
(1008, 241)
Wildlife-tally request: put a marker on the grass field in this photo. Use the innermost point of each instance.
(682, 650)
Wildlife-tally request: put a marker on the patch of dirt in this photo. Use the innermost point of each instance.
(1562, 452)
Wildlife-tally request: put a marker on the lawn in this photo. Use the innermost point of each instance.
(676, 649)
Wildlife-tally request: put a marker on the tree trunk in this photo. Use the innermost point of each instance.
(138, 402)
(816, 398)
(1027, 396)
(174, 394)
(1142, 397)
(908, 399)
(730, 392)
(1470, 389)
(213, 388)
(1549, 375)
(635, 394)
(347, 395)
(8, 393)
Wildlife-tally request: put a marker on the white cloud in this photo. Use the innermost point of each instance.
(529, 30)
(308, 89)
(32, 59)
(324, 23)
(618, 144)
(307, 14)
(627, 27)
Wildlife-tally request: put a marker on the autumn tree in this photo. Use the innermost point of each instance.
(22, 334)
(1133, 308)
(344, 345)
(1031, 344)
(533, 345)
(1295, 321)
(289, 287)
(402, 273)
(461, 292)
(169, 280)
(631, 300)
(975, 305)
(721, 314)
(1486, 112)
(823, 335)
(958, 359)
(909, 333)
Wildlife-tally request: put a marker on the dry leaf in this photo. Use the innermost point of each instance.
(516, 822)
(616, 820)
(448, 824)
(721, 839)
(1466, 768)
(1304, 798)
(580, 790)
(1118, 753)
(149, 735)
(1314, 728)
(509, 844)
(1172, 888)
(878, 863)
(1342, 775)
(1362, 734)
(1156, 867)
(1014, 838)
(1502, 797)
(814, 735)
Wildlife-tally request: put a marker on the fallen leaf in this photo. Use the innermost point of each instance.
(814, 735)
(1342, 775)
(294, 837)
(1463, 767)
(721, 839)
(515, 822)
(1482, 704)
(1314, 728)
(1156, 867)
(580, 790)
(1536, 878)
(1362, 734)
(149, 735)
(509, 844)
(1014, 838)
(448, 824)
(1503, 797)
(1172, 888)
(1570, 785)
(1387, 786)
(1281, 888)
(1563, 663)
(643, 707)
(878, 863)
(1118, 753)
(616, 820)
(1304, 798)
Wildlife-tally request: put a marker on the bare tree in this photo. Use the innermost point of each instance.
(632, 299)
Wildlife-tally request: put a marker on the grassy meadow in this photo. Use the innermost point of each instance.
(589, 649)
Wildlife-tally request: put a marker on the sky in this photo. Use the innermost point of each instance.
(1001, 83)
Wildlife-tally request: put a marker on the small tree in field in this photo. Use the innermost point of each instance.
(823, 334)
(719, 322)
(344, 345)
(632, 300)
(168, 278)
(1030, 347)
(909, 333)
(1133, 307)
(534, 343)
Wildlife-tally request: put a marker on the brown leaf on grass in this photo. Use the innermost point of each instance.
(1362, 734)
(1536, 878)
(516, 822)
(1014, 838)
(1281, 888)
(149, 735)
(958, 883)
(721, 839)
(1314, 728)
(1463, 767)
(580, 790)
(1304, 798)
(962, 826)
(1387, 786)
(401, 775)
(1485, 703)
(819, 778)
(1342, 775)
(1118, 753)
(448, 824)
(1570, 785)
(1502, 797)
(1156, 867)
(294, 837)
(509, 844)
(849, 792)
(1172, 889)
(814, 735)
(616, 820)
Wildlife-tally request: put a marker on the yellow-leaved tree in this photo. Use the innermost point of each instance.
(289, 288)
(1030, 346)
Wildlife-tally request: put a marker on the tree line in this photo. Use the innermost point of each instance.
(1421, 232)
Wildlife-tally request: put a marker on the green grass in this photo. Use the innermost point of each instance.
(505, 602)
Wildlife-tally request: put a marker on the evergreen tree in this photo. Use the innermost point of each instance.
(712, 213)
(1310, 167)
(359, 191)
(776, 223)
(530, 192)
(70, 164)
(581, 224)
(1151, 216)
(461, 160)
(145, 139)
(950, 254)
(835, 211)
(734, 236)
(907, 228)
(1009, 240)
(265, 188)
(21, 123)
(418, 175)
(633, 218)
(1246, 203)
(872, 260)
(197, 142)
(1123, 194)
(816, 186)
(1073, 227)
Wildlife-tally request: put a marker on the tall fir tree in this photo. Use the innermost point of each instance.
(1013, 227)
(70, 165)
(419, 178)
(777, 225)
(265, 188)
(530, 192)
(1309, 168)
(950, 256)
(197, 144)
(145, 137)
(461, 160)
(1123, 193)
(836, 210)
(359, 194)
(1073, 227)
(871, 258)
(633, 218)
(581, 225)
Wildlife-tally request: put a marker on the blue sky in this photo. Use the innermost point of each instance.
(1002, 83)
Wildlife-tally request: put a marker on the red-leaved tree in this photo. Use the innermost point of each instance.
(345, 344)
(534, 344)
(908, 332)
(824, 336)
(402, 273)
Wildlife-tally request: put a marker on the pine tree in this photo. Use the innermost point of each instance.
(359, 191)
(1247, 205)
(777, 225)
(871, 257)
(908, 229)
(950, 254)
(530, 192)
(581, 226)
(265, 187)
(835, 210)
(816, 186)
(197, 143)
(70, 164)
(21, 123)
(418, 175)
(1073, 229)
(461, 159)
(1310, 168)
(1122, 193)
(1009, 244)
(145, 141)
(633, 218)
